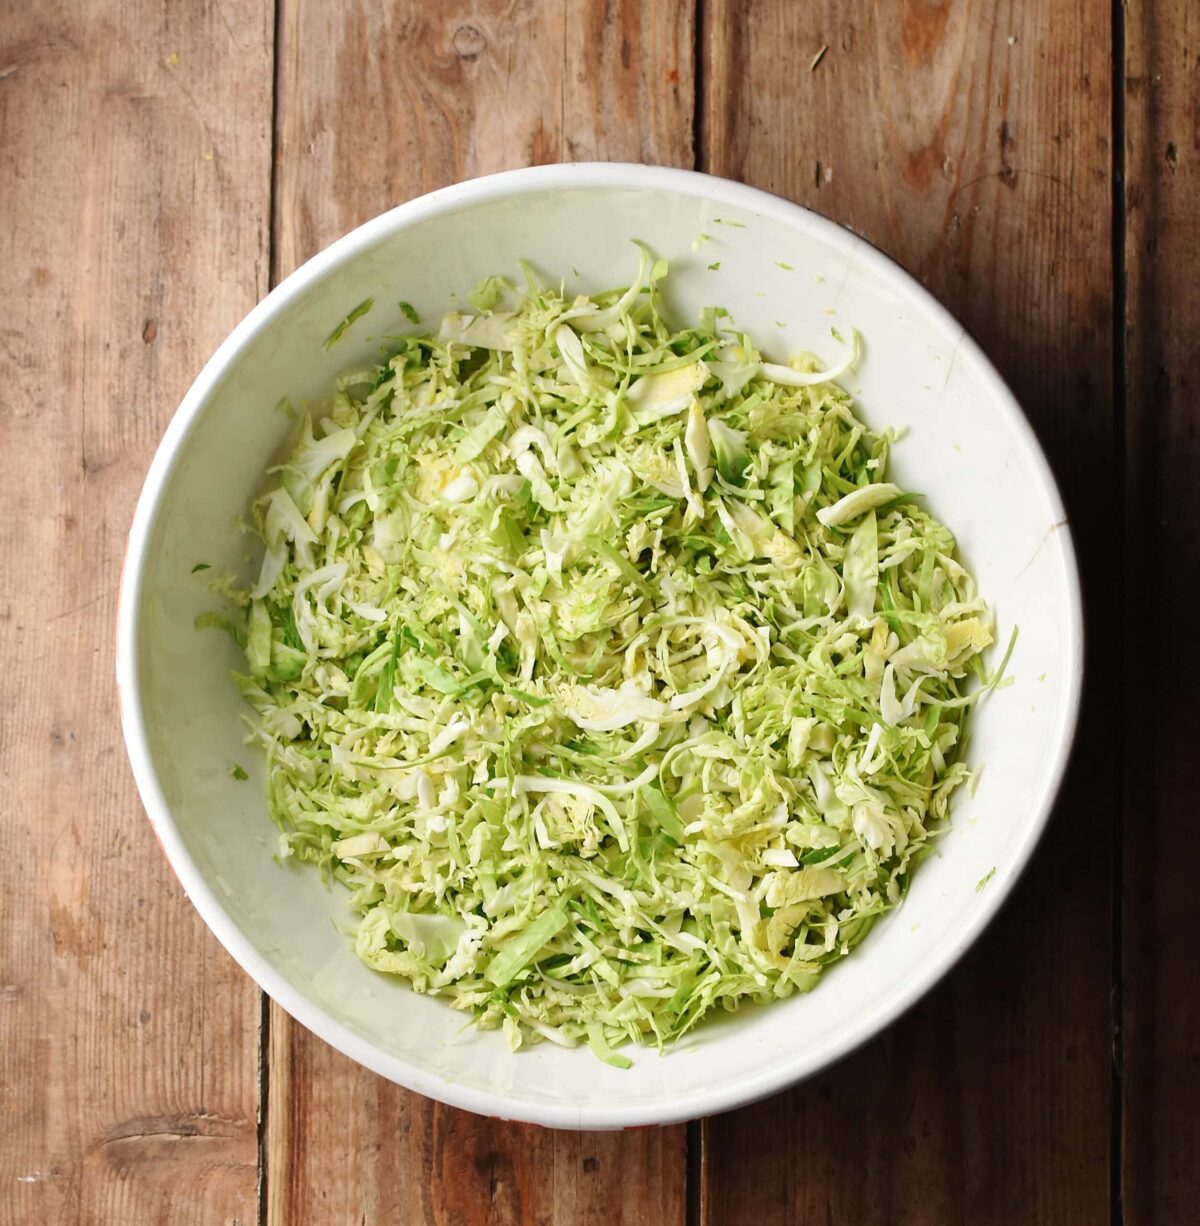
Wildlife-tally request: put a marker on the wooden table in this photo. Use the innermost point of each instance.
(164, 162)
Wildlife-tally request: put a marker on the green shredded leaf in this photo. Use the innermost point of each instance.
(998, 678)
(517, 952)
(409, 312)
(340, 331)
(729, 447)
(238, 772)
(487, 293)
(662, 812)
(982, 882)
(258, 638)
(598, 1042)
(200, 566)
(216, 621)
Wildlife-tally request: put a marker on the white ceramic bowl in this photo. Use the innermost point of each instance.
(969, 449)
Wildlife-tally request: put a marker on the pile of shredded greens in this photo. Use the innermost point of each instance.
(604, 667)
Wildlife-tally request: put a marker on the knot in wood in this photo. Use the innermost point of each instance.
(469, 42)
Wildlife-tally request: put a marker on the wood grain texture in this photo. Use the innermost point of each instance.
(379, 103)
(1161, 1179)
(134, 196)
(438, 94)
(347, 1146)
(972, 142)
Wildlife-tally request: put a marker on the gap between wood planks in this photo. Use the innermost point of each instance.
(264, 1001)
(695, 1205)
(1116, 1158)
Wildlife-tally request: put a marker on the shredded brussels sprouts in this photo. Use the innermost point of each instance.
(603, 666)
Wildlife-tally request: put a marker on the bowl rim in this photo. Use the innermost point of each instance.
(502, 1105)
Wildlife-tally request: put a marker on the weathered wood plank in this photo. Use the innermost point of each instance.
(134, 181)
(448, 92)
(1161, 913)
(441, 93)
(346, 1146)
(971, 142)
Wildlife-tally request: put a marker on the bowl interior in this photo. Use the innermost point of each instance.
(787, 277)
